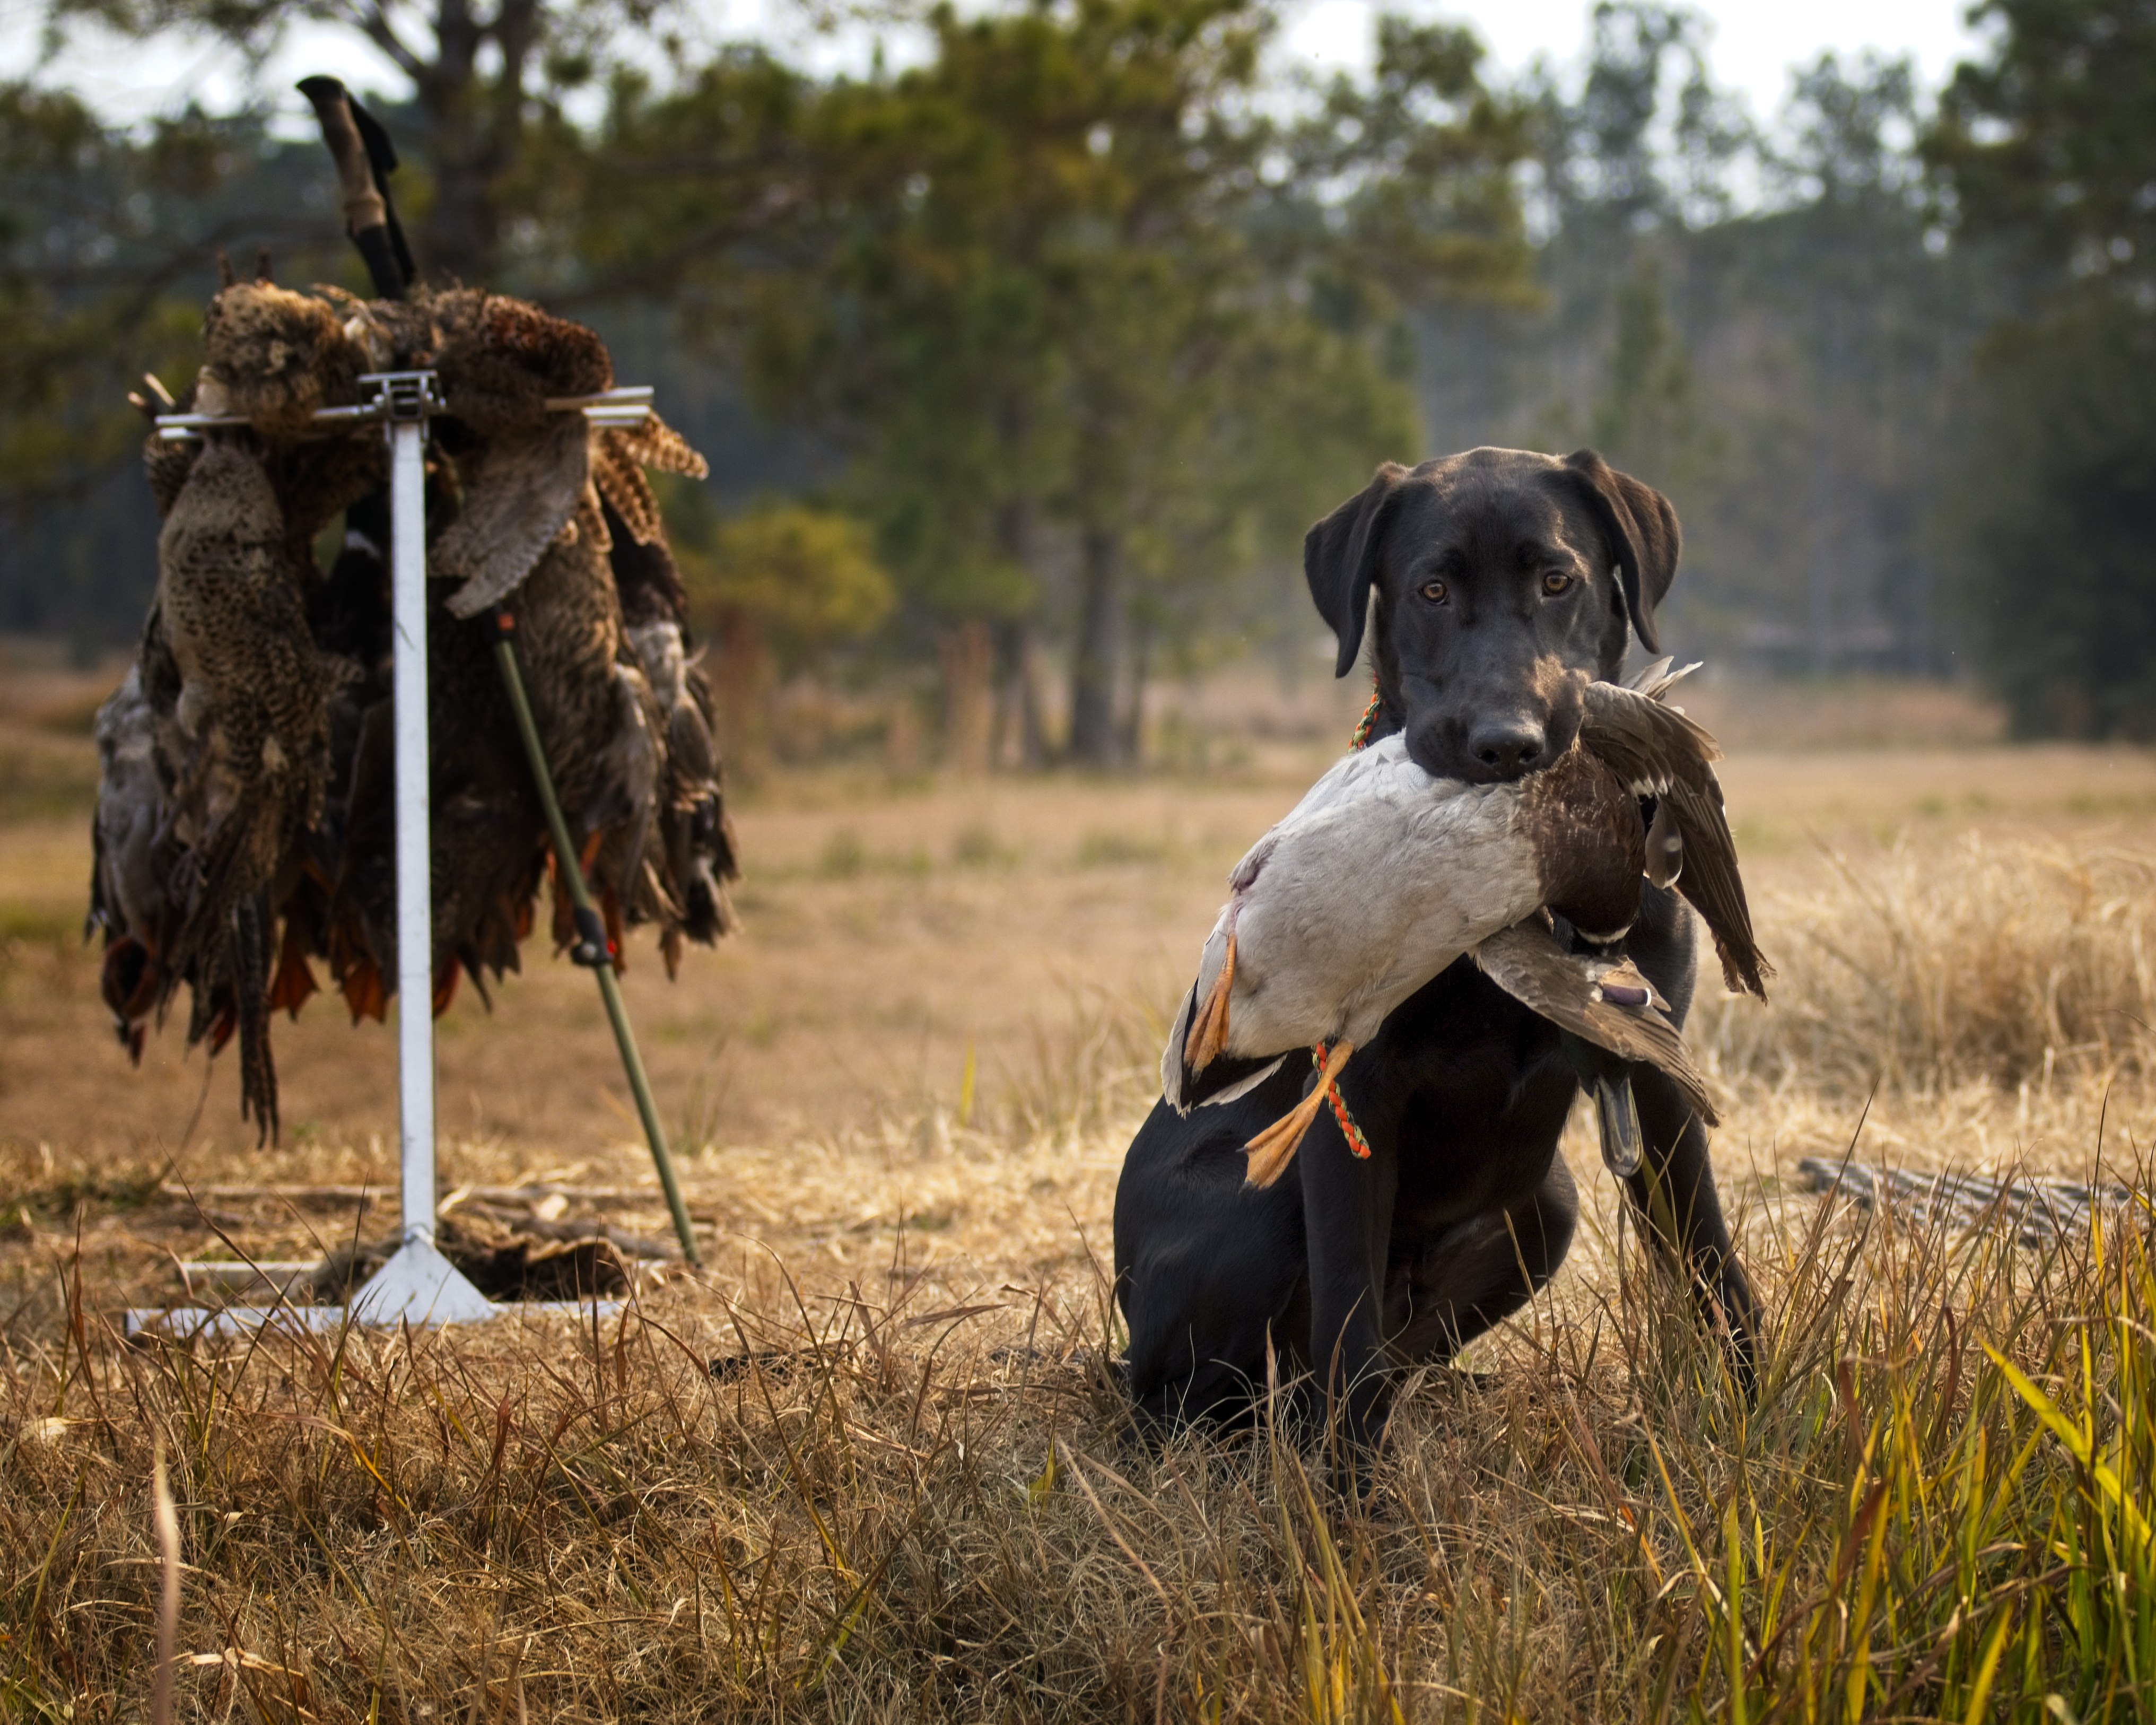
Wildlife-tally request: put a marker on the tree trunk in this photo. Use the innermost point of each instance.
(475, 128)
(1093, 657)
(1019, 719)
(1017, 668)
(966, 659)
(742, 678)
(1133, 727)
(901, 737)
(1822, 601)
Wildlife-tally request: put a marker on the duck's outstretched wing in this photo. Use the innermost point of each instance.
(1612, 1006)
(1661, 753)
(521, 496)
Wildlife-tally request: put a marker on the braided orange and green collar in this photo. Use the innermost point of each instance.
(1367, 723)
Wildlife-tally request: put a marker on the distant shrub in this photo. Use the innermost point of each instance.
(804, 578)
(1991, 963)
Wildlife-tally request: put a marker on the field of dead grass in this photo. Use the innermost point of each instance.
(870, 1463)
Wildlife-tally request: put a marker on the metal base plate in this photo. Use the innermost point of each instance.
(417, 1286)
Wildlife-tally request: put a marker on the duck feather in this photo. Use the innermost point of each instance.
(1585, 996)
(1661, 753)
(522, 492)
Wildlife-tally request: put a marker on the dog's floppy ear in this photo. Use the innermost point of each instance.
(1340, 559)
(1643, 536)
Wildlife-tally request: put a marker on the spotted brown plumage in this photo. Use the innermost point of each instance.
(274, 356)
(520, 492)
(501, 359)
(254, 711)
(166, 466)
(697, 864)
(620, 454)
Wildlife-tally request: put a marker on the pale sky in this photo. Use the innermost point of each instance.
(1754, 43)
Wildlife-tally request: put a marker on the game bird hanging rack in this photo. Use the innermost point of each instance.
(419, 1284)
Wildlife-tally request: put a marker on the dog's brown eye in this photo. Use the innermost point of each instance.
(1556, 581)
(1435, 592)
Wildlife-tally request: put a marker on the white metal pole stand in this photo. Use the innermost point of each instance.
(417, 1284)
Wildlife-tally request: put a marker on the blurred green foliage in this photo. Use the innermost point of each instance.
(108, 247)
(2050, 152)
(2048, 144)
(803, 579)
(1083, 308)
(105, 240)
(1077, 319)
(1067, 294)
(2055, 517)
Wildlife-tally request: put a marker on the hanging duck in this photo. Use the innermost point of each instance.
(694, 863)
(1383, 875)
(128, 875)
(253, 714)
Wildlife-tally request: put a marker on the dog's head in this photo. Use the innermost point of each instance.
(1501, 576)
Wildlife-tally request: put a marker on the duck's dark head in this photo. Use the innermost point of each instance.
(1502, 580)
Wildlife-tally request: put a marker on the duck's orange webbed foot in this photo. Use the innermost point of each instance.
(1274, 1148)
(1208, 1030)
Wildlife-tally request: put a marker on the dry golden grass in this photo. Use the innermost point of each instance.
(1984, 961)
(909, 1494)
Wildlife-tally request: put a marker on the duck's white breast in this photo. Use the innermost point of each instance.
(1379, 878)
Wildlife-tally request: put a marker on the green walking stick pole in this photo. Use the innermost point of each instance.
(593, 948)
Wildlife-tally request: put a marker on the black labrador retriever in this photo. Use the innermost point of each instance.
(1495, 574)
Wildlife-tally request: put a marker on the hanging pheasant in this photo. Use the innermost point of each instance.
(253, 716)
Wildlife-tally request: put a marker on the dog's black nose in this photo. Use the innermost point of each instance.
(1505, 748)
